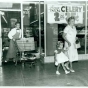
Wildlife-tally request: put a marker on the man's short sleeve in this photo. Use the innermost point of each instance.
(55, 51)
(66, 29)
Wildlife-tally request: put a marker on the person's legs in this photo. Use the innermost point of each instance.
(57, 71)
(71, 67)
(66, 72)
(11, 51)
(67, 65)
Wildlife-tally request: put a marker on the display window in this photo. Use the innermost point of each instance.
(11, 15)
(67, 10)
(30, 15)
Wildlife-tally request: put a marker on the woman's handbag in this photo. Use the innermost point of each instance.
(77, 44)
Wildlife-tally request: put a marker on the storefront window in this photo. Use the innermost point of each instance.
(73, 11)
(81, 30)
(11, 15)
(87, 31)
(31, 24)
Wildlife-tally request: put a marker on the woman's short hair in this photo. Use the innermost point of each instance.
(70, 18)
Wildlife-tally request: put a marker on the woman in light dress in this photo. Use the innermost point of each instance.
(69, 36)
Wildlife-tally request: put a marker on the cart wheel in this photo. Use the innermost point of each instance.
(15, 63)
(30, 65)
(33, 64)
(23, 64)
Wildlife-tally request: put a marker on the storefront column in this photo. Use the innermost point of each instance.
(45, 27)
(0, 43)
(22, 19)
(39, 29)
(50, 37)
(85, 26)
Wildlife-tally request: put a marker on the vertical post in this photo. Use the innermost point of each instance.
(39, 28)
(85, 26)
(0, 42)
(45, 27)
(22, 27)
(22, 18)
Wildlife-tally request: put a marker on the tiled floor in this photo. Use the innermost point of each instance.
(43, 75)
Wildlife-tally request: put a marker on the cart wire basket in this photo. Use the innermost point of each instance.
(25, 44)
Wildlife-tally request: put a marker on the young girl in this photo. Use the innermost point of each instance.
(60, 57)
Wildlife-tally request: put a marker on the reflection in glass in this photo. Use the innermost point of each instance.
(31, 22)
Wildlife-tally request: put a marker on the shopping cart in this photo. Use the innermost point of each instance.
(25, 44)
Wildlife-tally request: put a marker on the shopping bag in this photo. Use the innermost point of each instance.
(77, 44)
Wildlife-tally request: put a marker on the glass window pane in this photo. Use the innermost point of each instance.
(80, 27)
(31, 22)
(87, 30)
(4, 5)
(81, 32)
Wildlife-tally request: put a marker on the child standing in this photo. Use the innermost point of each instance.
(60, 57)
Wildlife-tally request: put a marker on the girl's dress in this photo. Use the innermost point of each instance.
(61, 57)
(71, 35)
(13, 48)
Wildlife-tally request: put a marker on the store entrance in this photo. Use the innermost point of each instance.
(8, 23)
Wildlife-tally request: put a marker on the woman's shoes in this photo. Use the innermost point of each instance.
(57, 72)
(71, 70)
(67, 72)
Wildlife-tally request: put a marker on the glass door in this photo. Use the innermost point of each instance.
(11, 14)
(31, 25)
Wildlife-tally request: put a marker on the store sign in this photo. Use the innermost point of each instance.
(5, 5)
(60, 13)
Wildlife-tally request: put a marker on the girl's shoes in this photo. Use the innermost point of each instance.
(71, 70)
(67, 72)
(57, 72)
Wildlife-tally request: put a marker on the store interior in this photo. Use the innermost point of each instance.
(30, 14)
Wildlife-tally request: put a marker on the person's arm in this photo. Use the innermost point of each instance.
(64, 36)
(64, 50)
(11, 33)
(55, 55)
(20, 34)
